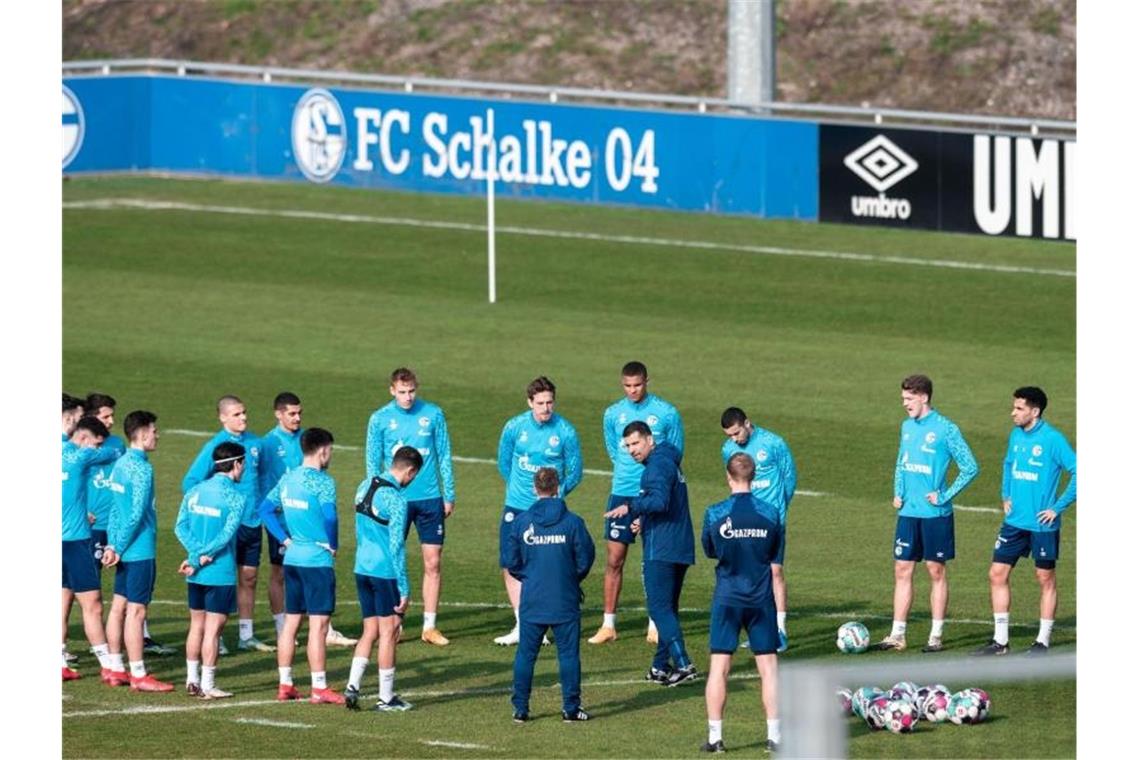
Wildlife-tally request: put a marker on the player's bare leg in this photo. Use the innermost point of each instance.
(999, 599)
(616, 553)
(433, 557)
(768, 667)
(211, 635)
(904, 595)
(1047, 580)
(514, 591)
(939, 603)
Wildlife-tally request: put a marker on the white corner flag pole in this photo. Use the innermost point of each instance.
(492, 172)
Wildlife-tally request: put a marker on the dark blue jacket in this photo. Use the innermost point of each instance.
(551, 552)
(742, 532)
(663, 507)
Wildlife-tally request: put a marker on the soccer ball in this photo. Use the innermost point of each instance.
(844, 697)
(875, 713)
(910, 688)
(924, 692)
(983, 702)
(852, 638)
(862, 697)
(966, 708)
(900, 716)
(936, 706)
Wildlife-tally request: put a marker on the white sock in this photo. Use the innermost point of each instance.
(104, 656)
(318, 679)
(138, 669)
(429, 621)
(245, 628)
(278, 622)
(387, 683)
(782, 622)
(356, 673)
(774, 730)
(146, 629)
(898, 628)
(609, 619)
(652, 626)
(936, 628)
(1045, 631)
(1001, 627)
(516, 618)
(208, 677)
(192, 671)
(285, 676)
(117, 662)
(714, 730)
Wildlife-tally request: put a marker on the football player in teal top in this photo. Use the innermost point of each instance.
(925, 527)
(410, 421)
(280, 453)
(532, 440)
(664, 421)
(1035, 459)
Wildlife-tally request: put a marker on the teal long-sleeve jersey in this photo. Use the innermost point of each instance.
(132, 525)
(775, 478)
(98, 493)
(306, 500)
(527, 445)
(664, 422)
(424, 428)
(926, 446)
(249, 485)
(77, 461)
(1031, 473)
(207, 525)
(280, 453)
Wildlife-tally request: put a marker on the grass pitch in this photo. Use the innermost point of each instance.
(195, 303)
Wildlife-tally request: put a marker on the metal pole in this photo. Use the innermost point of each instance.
(752, 51)
(492, 175)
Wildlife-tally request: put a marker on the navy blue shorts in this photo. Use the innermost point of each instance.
(98, 541)
(219, 599)
(276, 549)
(309, 590)
(79, 571)
(926, 538)
(1043, 545)
(428, 517)
(617, 528)
(248, 550)
(135, 580)
(378, 597)
(508, 519)
(727, 621)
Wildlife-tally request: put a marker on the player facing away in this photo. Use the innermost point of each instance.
(664, 421)
(667, 549)
(532, 440)
(774, 483)
(306, 499)
(72, 412)
(410, 421)
(207, 526)
(232, 415)
(132, 529)
(550, 552)
(743, 534)
(280, 453)
(80, 576)
(382, 575)
(925, 526)
(1035, 458)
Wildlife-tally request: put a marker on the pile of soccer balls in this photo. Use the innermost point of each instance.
(900, 708)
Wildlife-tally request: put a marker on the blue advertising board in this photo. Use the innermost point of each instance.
(376, 139)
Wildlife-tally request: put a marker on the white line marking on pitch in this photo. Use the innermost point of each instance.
(453, 745)
(159, 709)
(273, 723)
(147, 205)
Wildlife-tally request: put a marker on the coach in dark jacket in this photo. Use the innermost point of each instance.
(550, 551)
(663, 511)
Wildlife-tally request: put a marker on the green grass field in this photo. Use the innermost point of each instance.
(168, 309)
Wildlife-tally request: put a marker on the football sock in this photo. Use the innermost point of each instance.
(192, 671)
(652, 625)
(898, 628)
(138, 669)
(208, 677)
(318, 679)
(429, 620)
(714, 730)
(782, 622)
(64, 655)
(285, 676)
(609, 619)
(278, 622)
(774, 730)
(146, 629)
(1001, 627)
(936, 628)
(516, 617)
(1045, 631)
(103, 654)
(245, 629)
(356, 673)
(117, 662)
(387, 683)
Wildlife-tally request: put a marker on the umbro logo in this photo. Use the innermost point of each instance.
(880, 163)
